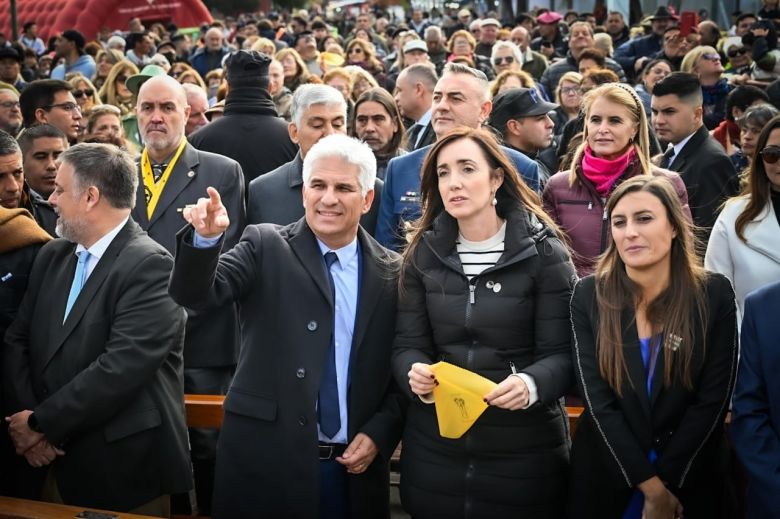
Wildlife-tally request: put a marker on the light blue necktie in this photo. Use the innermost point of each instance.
(78, 281)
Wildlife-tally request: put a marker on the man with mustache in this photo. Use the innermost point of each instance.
(173, 175)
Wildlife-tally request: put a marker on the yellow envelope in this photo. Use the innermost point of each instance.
(459, 398)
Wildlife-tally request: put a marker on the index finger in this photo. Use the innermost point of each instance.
(214, 197)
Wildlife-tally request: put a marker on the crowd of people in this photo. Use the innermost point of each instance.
(307, 213)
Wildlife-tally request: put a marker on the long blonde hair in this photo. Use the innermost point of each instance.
(624, 95)
(109, 94)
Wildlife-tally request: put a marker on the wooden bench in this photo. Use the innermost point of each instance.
(12, 508)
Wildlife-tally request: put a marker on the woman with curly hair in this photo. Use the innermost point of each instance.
(295, 71)
(462, 45)
(362, 54)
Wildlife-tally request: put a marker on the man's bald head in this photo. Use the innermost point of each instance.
(213, 39)
(162, 113)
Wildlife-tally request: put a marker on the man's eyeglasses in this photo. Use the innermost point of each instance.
(86, 92)
(770, 154)
(10, 104)
(506, 59)
(68, 107)
(572, 91)
(733, 53)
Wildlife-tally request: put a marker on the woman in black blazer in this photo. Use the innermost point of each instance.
(655, 358)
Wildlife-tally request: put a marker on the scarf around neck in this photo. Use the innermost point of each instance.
(603, 173)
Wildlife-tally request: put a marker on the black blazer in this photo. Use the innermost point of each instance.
(428, 137)
(193, 173)
(277, 197)
(267, 458)
(106, 384)
(684, 426)
(709, 177)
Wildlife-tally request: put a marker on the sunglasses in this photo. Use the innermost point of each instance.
(770, 154)
(121, 79)
(571, 91)
(68, 107)
(86, 92)
(507, 59)
(356, 50)
(733, 53)
(711, 57)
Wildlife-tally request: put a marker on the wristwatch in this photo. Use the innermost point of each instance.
(32, 423)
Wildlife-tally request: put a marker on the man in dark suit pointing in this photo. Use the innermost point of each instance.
(311, 419)
(93, 362)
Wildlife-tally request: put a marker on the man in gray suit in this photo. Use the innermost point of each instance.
(317, 111)
(173, 175)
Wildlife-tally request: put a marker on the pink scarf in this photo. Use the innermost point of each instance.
(603, 173)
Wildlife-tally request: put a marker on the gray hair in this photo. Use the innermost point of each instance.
(307, 95)
(8, 145)
(458, 68)
(116, 42)
(349, 150)
(110, 169)
(433, 32)
(516, 52)
(757, 115)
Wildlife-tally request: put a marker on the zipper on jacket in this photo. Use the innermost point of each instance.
(472, 297)
(603, 225)
(512, 367)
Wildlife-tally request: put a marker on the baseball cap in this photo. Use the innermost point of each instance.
(10, 52)
(76, 37)
(516, 103)
(490, 21)
(411, 45)
(135, 81)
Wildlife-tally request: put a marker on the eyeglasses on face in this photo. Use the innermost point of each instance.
(10, 104)
(506, 59)
(571, 91)
(733, 53)
(770, 154)
(711, 57)
(86, 92)
(356, 50)
(68, 107)
(121, 78)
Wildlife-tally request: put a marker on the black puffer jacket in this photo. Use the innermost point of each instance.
(510, 463)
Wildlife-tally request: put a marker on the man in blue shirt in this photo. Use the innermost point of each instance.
(460, 98)
(70, 46)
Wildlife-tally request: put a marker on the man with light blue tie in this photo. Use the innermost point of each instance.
(93, 361)
(312, 417)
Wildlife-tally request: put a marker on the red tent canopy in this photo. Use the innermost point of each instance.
(88, 16)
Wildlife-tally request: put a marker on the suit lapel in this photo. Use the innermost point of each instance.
(371, 283)
(91, 287)
(690, 148)
(634, 363)
(295, 171)
(139, 211)
(304, 246)
(184, 171)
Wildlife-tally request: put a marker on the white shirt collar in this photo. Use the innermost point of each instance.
(426, 118)
(99, 247)
(680, 145)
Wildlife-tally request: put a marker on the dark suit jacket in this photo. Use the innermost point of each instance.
(193, 173)
(683, 426)
(267, 458)
(400, 200)
(709, 176)
(107, 384)
(755, 415)
(277, 197)
(427, 138)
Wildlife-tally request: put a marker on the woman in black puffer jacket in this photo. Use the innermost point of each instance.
(486, 284)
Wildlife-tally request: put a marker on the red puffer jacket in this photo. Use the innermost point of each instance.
(581, 212)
